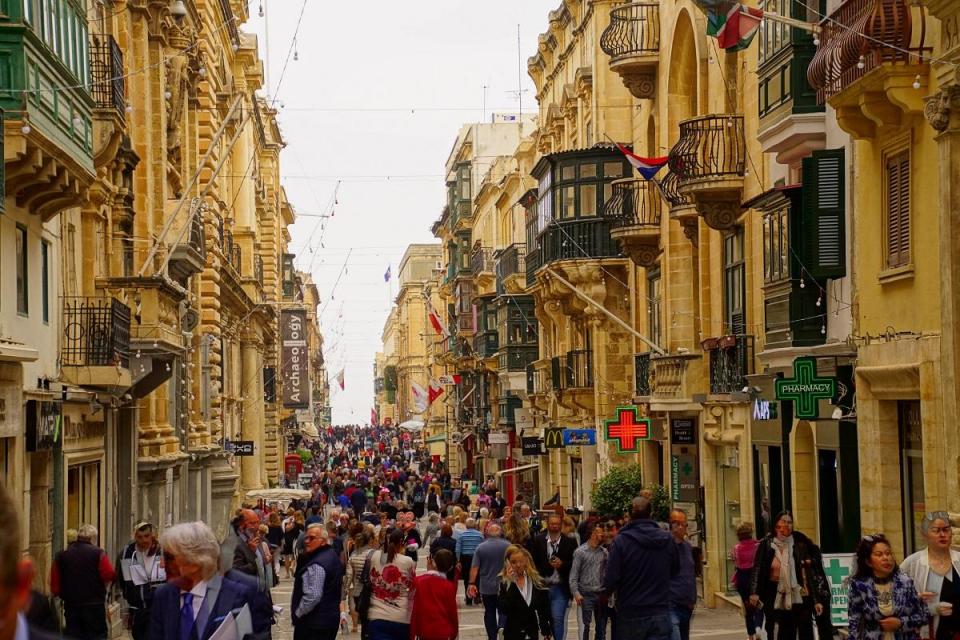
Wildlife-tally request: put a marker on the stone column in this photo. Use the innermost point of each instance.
(251, 424)
(943, 113)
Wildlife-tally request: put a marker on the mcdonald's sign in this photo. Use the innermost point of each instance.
(553, 438)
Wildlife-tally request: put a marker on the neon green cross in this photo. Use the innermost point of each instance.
(835, 571)
(805, 389)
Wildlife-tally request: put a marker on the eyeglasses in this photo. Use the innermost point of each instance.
(938, 530)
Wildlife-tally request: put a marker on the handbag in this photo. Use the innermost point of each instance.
(366, 591)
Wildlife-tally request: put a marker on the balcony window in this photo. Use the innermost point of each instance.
(463, 173)
(654, 298)
(734, 282)
(287, 274)
(580, 187)
(45, 280)
(23, 294)
(776, 244)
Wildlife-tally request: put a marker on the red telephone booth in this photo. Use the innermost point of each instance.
(293, 466)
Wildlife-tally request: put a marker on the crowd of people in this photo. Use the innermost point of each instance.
(378, 504)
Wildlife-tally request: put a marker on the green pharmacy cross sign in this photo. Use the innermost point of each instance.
(628, 429)
(805, 388)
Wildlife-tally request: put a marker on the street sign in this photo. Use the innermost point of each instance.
(531, 446)
(805, 388)
(684, 482)
(553, 437)
(683, 431)
(838, 567)
(579, 437)
(627, 429)
(243, 447)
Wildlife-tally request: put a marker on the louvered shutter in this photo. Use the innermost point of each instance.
(897, 188)
(824, 227)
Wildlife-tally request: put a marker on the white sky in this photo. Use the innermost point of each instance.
(362, 67)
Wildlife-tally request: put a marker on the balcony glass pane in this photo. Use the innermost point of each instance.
(588, 200)
(588, 170)
(612, 169)
(568, 203)
(568, 172)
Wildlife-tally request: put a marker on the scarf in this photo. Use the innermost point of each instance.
(788, 589)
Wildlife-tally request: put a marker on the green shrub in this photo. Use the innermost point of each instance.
(305, 455)
(615, 491)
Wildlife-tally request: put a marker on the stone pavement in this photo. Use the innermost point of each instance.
(712, 624)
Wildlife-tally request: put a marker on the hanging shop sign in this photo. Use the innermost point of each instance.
(684, 477)
(531, 446)
(43, 424)
(295, 360)
(553, 437)
(627, 429)
(522, 419)
(764, 409)
(805, 389)
(242, 447)
(838, 568)
(683, 431)
(498, 437)
(579, 437)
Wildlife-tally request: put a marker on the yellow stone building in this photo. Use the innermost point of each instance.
(145, 237)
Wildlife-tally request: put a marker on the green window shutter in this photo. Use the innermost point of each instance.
(823, 248)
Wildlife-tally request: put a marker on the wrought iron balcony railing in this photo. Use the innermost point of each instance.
(258, 269)
(634, 201)
(862, 35)
(709, 147)
(106, 75)
(576, 240)
(96, 332)
(531, 264)
(669, 188)
(539, 379)
(634, 30)
(731, 361)
(231, 250)
(481, 260)
(512, 261)
(641, 368)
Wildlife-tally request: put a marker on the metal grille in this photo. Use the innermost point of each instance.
(634, 202)
(641, 368)
(709, 147)
(634, 30)
(481, 260)
(730, 364)
(106, 74)
(96, 332)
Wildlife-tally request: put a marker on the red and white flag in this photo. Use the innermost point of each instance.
(435, 390)
(420, 398)
(374, 418)
(454, 379)
(340, 379)
(436, 322)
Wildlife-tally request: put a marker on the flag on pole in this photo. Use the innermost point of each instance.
(374, 418)
(386, 275)
(435, 321)
(736, 28)
(454, 379)
(434, 391)
(420, 397)
(340, 379)
(646, 167)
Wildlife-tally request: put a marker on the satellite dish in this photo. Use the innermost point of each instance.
(189, 320)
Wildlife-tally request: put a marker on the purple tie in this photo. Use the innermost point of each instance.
(186, 617)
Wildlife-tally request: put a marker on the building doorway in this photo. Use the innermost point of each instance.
(911, 468)
(84, 495)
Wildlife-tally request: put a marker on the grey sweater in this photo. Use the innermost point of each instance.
(588, 569)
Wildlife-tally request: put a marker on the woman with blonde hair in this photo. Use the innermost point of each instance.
(516, 529)
(523, 598)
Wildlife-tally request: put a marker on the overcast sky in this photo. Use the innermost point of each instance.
(374, 101)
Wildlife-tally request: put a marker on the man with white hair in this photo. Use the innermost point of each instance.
(79, 576)
(317, 587)
(196, 599)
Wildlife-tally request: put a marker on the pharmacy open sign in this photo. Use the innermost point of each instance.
(838, 567)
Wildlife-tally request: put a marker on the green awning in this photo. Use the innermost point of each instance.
(440, 437)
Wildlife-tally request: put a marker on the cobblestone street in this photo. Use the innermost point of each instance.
(718, 624)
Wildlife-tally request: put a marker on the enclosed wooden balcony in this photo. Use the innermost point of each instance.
(632, 40)
(709, 159)
(870, 55)
(634, 213)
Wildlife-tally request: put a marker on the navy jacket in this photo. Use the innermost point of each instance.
(165, 615)
(643, 561)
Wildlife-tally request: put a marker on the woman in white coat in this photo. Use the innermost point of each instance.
(936, 573)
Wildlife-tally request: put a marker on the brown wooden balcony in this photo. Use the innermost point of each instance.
(632, 40)
(96, 342)
(870, 54)
(634, 213)
(710, 162)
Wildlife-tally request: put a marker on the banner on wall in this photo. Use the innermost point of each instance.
(295, 360)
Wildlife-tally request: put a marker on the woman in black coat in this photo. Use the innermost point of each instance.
(524, 598)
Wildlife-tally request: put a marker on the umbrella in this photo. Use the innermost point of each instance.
(412, 425)
(278, 494)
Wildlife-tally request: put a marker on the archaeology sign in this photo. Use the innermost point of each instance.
(295, 361)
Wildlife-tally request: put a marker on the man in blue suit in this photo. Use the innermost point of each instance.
(196, 599)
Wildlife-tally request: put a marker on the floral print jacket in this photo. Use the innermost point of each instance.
(864, 611)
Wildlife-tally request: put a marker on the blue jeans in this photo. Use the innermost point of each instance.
(387, 630)
(680, 617)
(559, 603)
(492, 616)
(656, 627)
(593, 608)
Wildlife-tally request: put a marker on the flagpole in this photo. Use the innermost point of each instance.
(793, 22)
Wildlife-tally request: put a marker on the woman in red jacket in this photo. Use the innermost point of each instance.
(435, 603)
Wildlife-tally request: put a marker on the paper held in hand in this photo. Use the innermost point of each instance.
(235, 626)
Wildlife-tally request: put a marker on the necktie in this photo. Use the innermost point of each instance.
(186, 617)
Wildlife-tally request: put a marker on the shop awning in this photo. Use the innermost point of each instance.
(517, 469)
(440, 437)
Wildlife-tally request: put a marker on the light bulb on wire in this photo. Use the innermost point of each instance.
(261, 9)
(916, 82)
(861, 63)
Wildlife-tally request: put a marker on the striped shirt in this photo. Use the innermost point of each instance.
(588, 569)
(468, 542)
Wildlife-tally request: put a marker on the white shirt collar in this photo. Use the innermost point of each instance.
(22, 631)
(200, 589)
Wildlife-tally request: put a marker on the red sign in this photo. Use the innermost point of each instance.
(628, 429)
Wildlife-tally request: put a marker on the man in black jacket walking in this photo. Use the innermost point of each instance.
(643, 560)
(318, 583)
(553, 554)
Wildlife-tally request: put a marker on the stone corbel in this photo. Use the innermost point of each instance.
(943, 107)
